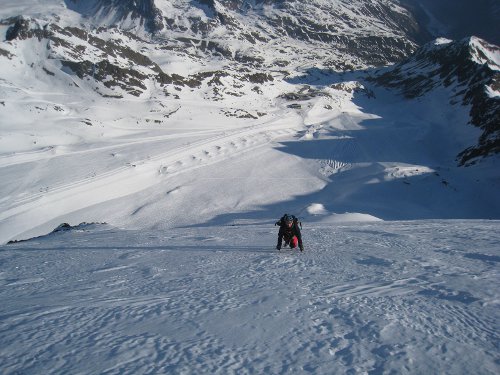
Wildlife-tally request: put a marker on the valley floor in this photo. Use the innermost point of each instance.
(413, 297)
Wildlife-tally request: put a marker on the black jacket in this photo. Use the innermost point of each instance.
(288, 232)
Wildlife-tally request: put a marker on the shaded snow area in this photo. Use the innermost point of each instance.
(375, 298)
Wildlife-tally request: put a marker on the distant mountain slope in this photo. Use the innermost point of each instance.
(114, 12)
(129, 46)
(363, 34)
(236, 48)
(250, 43)
(471, 68)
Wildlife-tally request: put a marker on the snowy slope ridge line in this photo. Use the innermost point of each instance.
(417, 297)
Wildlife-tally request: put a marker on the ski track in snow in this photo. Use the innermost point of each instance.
(136, 175)
(401, 297)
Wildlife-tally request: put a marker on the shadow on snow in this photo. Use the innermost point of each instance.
(363, 148)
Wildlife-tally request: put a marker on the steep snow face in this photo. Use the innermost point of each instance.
(485, 53)
(402, 297)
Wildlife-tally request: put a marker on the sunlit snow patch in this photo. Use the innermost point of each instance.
(492, 93)
(317, 212)
(398, 172)
(440, 41)
(316, 209)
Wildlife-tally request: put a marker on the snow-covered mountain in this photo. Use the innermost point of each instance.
(149, 48)
(110, 110)
(168, 136)
(244, 40)
(262, 31)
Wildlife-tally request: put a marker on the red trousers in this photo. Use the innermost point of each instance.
(294, 242)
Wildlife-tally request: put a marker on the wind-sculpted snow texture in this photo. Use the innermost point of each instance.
(403, 297)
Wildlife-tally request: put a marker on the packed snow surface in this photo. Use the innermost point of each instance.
(417, 297)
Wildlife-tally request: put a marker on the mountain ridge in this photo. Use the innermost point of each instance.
(472, 66)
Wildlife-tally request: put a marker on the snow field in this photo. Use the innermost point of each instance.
(402, 297)
(125, 166)
(359, 161)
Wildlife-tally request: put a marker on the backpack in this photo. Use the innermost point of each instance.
(296, 221)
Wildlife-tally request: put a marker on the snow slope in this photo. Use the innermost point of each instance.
(383, 158)
(415, 297)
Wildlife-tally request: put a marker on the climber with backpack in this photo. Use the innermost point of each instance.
(290, 232)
